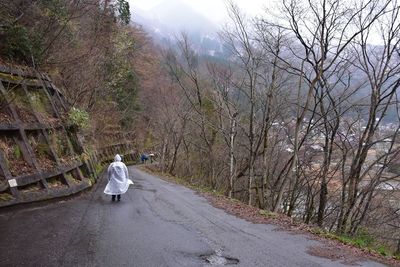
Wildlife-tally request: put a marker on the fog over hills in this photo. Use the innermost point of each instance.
(180, 16)
(169, 18)
(166, 20)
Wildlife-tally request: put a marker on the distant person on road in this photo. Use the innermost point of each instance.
(118, 179)
(151, 156)
(144, 158)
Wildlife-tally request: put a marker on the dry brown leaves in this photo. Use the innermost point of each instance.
(46, 163)
(4, 145)
(334, 254)
(49, 119)
(25, 115)
(20, 167)
(5, 118)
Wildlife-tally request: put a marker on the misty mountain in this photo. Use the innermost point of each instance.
(169, 18)
(165, 21)
(180, 16)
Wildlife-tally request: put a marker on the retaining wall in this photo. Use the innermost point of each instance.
(41, 156)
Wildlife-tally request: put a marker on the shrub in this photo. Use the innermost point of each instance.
(79, 118)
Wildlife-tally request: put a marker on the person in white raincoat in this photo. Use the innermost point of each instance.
(118, 179)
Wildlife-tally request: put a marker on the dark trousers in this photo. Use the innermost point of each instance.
(118, 197)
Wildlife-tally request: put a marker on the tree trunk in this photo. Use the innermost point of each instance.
(232, 156)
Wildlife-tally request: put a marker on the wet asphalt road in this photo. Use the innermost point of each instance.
(155, 224)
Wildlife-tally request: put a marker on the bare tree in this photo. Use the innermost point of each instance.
(228, 109)
(185, 71)
(379, 64)
(320, 39)
(249, 60)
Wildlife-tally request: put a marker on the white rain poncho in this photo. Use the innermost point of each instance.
(118, 178)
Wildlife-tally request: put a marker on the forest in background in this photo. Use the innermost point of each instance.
(292, 120)
(87, 47)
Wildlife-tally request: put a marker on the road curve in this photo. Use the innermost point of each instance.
(156, 224)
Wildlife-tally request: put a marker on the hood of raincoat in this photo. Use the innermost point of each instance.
(117, 158)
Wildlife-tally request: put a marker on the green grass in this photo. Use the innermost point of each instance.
(99, 168)
(17, 152)
(91, 180)
(362, 240)
(5, 197)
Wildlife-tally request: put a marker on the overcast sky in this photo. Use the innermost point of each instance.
(214, 10)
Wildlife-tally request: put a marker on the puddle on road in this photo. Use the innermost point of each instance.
(218, 259)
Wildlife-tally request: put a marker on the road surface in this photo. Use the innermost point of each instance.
(155, 224)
